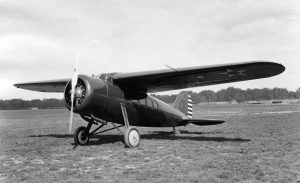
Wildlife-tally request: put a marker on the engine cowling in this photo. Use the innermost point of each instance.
(90, 93)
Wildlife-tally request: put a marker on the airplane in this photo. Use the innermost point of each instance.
(123, 99)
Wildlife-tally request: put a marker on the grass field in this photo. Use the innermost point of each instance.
(258, 143)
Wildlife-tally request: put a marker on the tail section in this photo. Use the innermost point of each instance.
(184, 103)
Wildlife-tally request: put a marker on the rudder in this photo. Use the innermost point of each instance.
(183, 102)
(190, 107)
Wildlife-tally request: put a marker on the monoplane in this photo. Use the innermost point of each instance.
(123, 99)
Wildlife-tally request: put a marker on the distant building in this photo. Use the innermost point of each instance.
(33, 108)
(233, 102)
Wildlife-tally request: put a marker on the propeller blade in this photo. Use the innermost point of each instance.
(73, 85)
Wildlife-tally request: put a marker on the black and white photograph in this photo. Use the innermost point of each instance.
(149, 91)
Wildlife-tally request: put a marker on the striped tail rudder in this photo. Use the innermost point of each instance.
(184, 103)
(190, 107)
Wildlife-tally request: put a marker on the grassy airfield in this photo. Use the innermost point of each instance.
(258, 143)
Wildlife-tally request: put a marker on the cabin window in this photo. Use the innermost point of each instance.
(149, 103)
(143, 102)
(155, 105)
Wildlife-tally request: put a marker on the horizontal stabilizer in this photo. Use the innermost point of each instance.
(203, 122)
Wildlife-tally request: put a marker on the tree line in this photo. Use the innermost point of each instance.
(236, 94)
(15, 104)
(225, 95)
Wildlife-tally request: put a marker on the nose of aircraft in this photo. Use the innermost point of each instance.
(88, 91)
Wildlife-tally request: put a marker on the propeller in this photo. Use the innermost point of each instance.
(73, 85)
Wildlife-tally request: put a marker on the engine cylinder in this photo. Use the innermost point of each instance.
(90, 94)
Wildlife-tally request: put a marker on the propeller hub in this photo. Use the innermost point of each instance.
(88, 94)
(79, 91)
(79, 94)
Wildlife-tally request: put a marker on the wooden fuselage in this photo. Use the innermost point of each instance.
(147, 112)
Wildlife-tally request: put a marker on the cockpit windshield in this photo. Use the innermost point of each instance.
(107, 77)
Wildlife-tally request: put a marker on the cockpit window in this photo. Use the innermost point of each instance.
(155, 105)
(149, 103)
(103, 77)
(143, 102)
(107, 77)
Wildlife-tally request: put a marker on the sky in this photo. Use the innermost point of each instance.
(39, 39)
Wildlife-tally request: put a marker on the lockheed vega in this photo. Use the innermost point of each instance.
(122, 99)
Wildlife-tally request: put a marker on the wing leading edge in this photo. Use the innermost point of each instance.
(164, 80)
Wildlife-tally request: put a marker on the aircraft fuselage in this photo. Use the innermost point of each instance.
(147, 112)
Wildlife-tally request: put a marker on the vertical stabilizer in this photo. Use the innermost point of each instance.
(184, 103)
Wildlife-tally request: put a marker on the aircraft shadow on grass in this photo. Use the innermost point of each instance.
(54, 135)
(156, 135)
(184, 132)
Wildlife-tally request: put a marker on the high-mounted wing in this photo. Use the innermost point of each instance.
(169, 79)
(45, 86)
(172, 79)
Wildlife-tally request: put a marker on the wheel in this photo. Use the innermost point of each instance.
(79, 136)
(132, 137)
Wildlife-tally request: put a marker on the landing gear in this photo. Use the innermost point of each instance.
(80, 136)
(83, 134)
(132, 137)
(131, 134)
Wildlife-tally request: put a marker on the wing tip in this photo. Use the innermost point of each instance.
(16, 85)
(274, 68)
(278, 68)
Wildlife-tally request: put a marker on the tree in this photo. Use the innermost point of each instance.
(208, 96)
(298, 93)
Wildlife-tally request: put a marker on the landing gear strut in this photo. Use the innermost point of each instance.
(131, 134)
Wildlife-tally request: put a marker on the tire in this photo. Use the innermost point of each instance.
(78, 136)
(132, 137)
